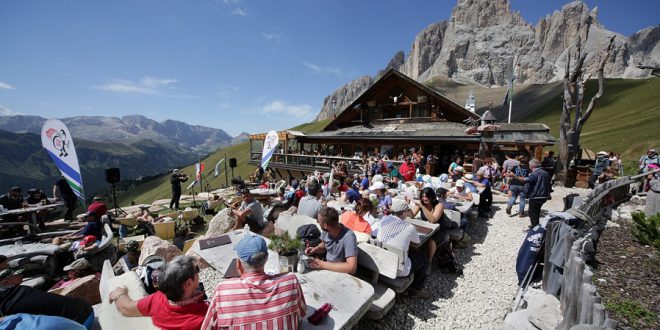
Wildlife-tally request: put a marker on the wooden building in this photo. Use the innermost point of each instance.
(394, 116)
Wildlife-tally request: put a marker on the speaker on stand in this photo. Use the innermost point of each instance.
(112, 176)
(232, 164)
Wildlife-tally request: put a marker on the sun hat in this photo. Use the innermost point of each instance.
(459, 169)
(377, 178)
(603, 153)
(398, 205)
(377, 186)
(252, 249)
(426, 178)
(460, 183)
(79, 264)
(468, 177)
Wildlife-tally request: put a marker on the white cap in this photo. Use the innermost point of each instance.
(603, 153)
(398, 205)
(460, 183)
(377, 186)
(377, 178)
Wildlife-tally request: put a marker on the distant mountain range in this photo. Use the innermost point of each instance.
(137, 145)
(477, 46)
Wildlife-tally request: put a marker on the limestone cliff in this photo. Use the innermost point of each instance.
(480, 41)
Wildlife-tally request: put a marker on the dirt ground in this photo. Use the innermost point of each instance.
(628, 278)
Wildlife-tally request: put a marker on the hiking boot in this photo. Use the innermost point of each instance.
(508, 209)
(522, 215)
(419, 294)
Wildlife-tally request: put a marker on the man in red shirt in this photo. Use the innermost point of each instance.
(256, 300)
(98, 207)
(179, 304)
(407, 170)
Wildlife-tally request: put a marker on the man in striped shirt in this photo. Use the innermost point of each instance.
(256, 300)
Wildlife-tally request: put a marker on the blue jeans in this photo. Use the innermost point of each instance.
(515, 192)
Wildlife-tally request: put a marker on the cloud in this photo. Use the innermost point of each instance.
(4, 111)
(229, 2)
(274, 37)
(147, 85)
(284, 108)
(322, 69)
(240, 12)
(4, 85)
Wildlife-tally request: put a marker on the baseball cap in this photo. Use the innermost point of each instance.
(175, 171)
(398, 205)
(460, 183)
(377, 186)
(252, 249)
(88, 239)
(603, 153)
(77, 265)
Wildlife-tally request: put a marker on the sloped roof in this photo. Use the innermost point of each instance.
(346, 115)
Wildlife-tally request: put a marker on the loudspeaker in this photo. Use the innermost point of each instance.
(112, 175)
(232, 162)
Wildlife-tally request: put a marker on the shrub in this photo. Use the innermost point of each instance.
(647, 230)
(284, 245)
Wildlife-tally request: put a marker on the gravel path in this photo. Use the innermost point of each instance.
(481, 297)
(477, 300)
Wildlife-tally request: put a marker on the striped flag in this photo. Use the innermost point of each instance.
(199, 168)
(57, 140)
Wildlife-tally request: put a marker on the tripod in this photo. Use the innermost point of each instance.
(118, 210)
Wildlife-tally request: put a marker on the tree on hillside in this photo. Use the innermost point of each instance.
(573, 117)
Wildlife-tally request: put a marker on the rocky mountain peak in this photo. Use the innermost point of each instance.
(481, 14)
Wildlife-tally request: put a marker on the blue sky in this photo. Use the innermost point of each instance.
(238, 65)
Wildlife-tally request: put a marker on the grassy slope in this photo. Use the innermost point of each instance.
(625, 119)
(160, 188)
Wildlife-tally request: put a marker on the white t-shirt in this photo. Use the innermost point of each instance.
(401, 240)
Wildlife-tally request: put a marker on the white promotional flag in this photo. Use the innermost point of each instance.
(57, 140)
(270, 144)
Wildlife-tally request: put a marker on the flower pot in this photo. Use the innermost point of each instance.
(288, 263)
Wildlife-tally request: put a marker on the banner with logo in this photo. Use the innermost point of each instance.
(270, 144)
(57, 140)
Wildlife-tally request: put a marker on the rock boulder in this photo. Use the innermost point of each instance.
(154, 245)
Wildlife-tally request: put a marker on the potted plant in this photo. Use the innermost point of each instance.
(287, 248)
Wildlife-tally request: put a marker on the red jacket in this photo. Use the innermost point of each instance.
(407, 171)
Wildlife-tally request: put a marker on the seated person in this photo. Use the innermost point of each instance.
(179, 303)
(353, 193)
(36, 198)
(181, 235)
(337, 242)
(393, 176)
(146, 220)
(13, 199)
(384, 199)
(467, 178)
(460, 192)
(24, 321)
(98, 206)
(93, 227)
(432, 211)
(239, 302)
(398, 233)
(250, 212)
(87, 243)
(310, 204)
(131, 258)
(16, 299)
(354, 220)
(75, 270)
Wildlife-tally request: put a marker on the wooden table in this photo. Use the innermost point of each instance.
(350, 296)
(32, 211)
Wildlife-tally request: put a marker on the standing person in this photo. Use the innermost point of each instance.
(549, 164)
(651, 157)
(477, 163)
(176, 179)
(256, 299)
(509, 163)
(398, 233)
(63, 192)
(517, 186)
(602, 162)
(538, 190)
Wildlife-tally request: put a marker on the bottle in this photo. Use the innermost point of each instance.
(246, 228)
(300, 267)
